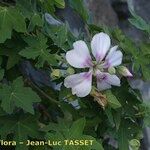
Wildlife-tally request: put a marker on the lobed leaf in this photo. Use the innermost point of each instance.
(16, 95)
(112, 100)
(10, 19)
(38, 49)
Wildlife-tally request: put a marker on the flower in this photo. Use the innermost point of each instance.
(103, 68)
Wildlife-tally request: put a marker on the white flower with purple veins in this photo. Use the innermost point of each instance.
(106, 59)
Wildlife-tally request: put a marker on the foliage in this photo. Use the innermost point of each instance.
(78, 6)
(64, 130)
(35, 105)
(22, 128)
(37, 48)
(10, 19)
(139, 22)
(16, 95)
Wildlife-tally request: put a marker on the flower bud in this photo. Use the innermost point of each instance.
(124, 71)
(70, 71)
(55, 73)
(111, 70)
(135, 144)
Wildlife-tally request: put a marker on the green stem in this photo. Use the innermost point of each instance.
(6, 4)
(44, 94)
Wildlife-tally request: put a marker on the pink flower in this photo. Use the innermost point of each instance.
(106, 58)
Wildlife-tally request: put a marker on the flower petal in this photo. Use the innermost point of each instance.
(105, 80)
(111, 51)
(113, 80)
(81, 83)
(114, 58)
(100, 45)
(79, 57)
(103, 86)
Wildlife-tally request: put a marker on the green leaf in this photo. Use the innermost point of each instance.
(143, 60)
(78, 127)
(29, 11)
(66, 131)
(117, 118)
(139, 56)
(35, 20)
(145, 112)
(10, 19)
(1, 70)
(1, 74)
(38, 49)
(1, 60)
(139, 22)
(22, 129)
(123, 137)
(25, 7)
(112, 100)
(79, 7)
(16, 95)
(127, 131)
(145, 48)
(108, 112)
(129, 47)
(145, 71)
(128, 100)
(12, 54)
(58, 34)
(60, 3)
(50, 5)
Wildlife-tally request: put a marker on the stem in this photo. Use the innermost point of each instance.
(44, 111)
(43, 93)
(140, 114)
(6, 4)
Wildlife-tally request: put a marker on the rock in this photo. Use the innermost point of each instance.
(143, 87)
(121, 8)
(37, 76)
(102, 12)
(142, 8)
(75, 22)
(146, 139)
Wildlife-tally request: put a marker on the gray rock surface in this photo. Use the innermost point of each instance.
(74, 21)
(102, 12)
(142, 7)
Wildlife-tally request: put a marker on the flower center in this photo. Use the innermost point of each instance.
(97, 66)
